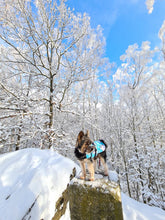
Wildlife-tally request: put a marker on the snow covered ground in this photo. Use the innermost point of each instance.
(32, 180)
(32, 176)
(134, 210)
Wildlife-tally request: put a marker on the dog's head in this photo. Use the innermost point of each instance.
(84, 143)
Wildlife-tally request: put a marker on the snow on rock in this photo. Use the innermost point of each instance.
(31, 181)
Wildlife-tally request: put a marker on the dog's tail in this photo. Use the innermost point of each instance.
(104, 143)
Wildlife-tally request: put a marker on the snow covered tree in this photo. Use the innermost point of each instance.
(135, 81)
(53, 48)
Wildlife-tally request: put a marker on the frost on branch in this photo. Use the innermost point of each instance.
(162, 31)
(150, 4)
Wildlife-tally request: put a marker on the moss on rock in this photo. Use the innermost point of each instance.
(99, 200)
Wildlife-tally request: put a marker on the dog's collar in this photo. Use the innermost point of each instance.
(92, 145)
(79, 150)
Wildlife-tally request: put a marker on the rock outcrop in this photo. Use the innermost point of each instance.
(99, 200)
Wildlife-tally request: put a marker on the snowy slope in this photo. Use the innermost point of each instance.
(33, 179)
(32, 176)
(134, 210)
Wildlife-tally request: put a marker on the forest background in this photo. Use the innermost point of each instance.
(56, 81)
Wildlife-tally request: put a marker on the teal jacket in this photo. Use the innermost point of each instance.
(99, 148)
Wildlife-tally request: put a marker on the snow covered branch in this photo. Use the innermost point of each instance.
(150, 4)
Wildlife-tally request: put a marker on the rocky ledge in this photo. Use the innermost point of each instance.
(99, 199)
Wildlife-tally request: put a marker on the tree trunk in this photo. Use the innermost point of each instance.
(126, 171)
(51, 111)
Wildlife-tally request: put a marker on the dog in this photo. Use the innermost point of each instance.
(87, 152)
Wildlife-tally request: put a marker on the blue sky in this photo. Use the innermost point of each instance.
(124, 22)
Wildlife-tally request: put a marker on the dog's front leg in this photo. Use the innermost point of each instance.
(91, 170)
(95, 164)
(83, 175)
